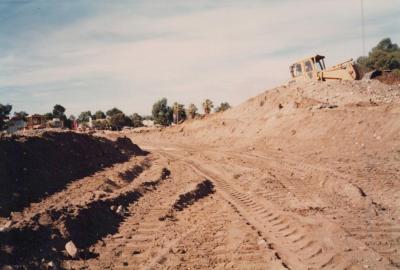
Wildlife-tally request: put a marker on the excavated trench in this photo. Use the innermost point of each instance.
(33, 167)
(44, 237)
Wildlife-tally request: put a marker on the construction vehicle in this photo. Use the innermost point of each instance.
(313, 68)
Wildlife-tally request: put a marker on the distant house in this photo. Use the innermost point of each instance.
(36, 121)
(15, 124)
(55, 123)
(148, 123)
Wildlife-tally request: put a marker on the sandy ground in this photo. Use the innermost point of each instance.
(299, 177)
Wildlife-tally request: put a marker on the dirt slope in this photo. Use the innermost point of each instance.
(322, 116)
(32, 167)
(303, 176)
(328, 150)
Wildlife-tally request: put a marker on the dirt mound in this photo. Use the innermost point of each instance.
(43, 237)
(202, 190)
(32, 167)
(390, 78)
(98, 219)
(300, 117)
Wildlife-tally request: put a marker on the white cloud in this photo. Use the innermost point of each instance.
(224, 53)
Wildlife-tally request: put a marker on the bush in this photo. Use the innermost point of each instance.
(101, 124)
(223, 107)
(385, 56)
(120, 120)
(136, 120)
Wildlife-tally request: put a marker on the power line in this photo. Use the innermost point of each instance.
(362, 27)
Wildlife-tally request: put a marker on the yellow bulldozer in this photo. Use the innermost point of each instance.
(313, 68)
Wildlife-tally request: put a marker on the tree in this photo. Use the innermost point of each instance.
(113, 111)
(179, 113)
(385, 55)
(207, 106)
(99, 115)
(48, 116)
(136, 120)
(4, 112)
(84, 117)
(58, 111)
(191, 111)
(120, 120)
(20, 115)
(223, 107)
(162, 113)
(101, 124)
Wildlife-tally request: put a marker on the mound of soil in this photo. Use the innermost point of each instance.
(42, 238)
(36, 166)
(297, 117)
(390, 78)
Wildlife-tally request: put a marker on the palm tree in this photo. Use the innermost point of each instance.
(207, 106)
(192, 111)
(178, 111)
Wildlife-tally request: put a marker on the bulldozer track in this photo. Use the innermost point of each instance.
(387, 244)
(291, 238)
(208, 247)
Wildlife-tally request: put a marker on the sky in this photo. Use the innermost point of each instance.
(95, 55)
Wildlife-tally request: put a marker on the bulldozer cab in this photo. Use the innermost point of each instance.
(308, 68)
(313, 68)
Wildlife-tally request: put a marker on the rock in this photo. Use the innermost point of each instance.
(51, 265)
(262, 243)
(6, 227)
(120, 210)
(327, 106)
(71, 249)
(361, 191)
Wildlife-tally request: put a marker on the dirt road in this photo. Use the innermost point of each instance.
(206, 209)
(256, 215)
(304, 228)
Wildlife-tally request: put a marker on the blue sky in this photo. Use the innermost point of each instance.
(90, 55)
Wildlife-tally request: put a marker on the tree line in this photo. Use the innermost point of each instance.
(165, 115)
(115, 119)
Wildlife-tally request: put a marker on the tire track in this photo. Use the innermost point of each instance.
(296, 242)
(378, 232)
(223, 241)
(144, 236)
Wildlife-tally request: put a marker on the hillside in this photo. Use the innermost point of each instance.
(329, 115)
(328, 149)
